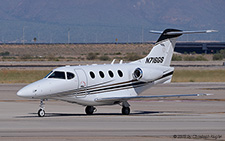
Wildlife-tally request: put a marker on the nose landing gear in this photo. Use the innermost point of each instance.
(41, 111)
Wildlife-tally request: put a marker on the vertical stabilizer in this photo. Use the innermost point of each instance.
(162, 51)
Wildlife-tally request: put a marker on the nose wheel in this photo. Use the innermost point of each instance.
(41, 111)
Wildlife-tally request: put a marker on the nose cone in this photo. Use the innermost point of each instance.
(19, 93)
(26, 92)
(30, 90)
(34, 90)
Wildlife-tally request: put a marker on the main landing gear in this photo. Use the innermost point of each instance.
(41, 111)
(125, 110)
(90, 110)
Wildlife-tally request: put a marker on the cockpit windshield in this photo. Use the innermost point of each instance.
(48, 74)
(58, 75)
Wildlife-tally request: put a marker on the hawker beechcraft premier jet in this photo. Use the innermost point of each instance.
(110, 84)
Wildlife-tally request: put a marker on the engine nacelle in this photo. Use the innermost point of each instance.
(146, 74)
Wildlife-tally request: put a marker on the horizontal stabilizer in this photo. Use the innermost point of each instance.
(182, 32)
(155, 32)
(173, 33)
(191, 32)
(145, 97)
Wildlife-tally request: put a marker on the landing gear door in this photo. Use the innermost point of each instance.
(82, 83)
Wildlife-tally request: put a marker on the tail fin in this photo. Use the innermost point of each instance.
(162, 52)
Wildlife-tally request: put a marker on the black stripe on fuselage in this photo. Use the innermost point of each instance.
(168, 74)
(90, 88)
(107, 88)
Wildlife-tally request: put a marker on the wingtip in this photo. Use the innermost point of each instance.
(202, 94)
(209, 31)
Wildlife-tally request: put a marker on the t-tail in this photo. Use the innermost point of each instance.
(162, 51)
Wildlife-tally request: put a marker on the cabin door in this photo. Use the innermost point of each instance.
(82, 83)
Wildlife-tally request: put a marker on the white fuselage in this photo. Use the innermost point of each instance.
(92, 82)
(110, 84)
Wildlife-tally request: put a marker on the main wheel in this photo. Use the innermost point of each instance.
(90, 110)
(41, 113)
(125, 110)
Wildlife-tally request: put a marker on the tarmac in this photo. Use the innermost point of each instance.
(193, 118)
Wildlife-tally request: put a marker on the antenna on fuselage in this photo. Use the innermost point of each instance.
(113, 61)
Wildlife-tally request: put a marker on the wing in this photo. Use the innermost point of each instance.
(145, 97)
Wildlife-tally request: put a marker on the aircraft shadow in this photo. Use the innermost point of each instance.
(133, 113)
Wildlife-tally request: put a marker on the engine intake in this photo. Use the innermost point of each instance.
(138, 73)
(146, 74)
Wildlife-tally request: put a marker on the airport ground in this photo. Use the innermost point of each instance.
(193, 118)
(201, 118)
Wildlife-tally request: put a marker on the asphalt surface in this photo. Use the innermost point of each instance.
(201, 118)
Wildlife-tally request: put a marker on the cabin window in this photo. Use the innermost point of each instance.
(110, 73)
(70, 75)
(101, 74)
(120, 73)
(92, 75)
(58, 75)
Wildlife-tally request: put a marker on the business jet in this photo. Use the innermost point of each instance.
(110, 84)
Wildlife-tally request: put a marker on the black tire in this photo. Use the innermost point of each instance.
(89, 110)
(41, 113)
(125, 110)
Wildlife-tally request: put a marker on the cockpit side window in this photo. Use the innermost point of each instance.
(70, 75)
(58, 74)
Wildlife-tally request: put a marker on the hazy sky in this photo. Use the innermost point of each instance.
(85, 21)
